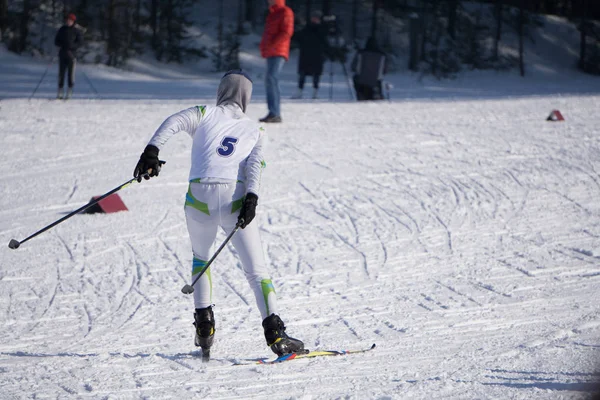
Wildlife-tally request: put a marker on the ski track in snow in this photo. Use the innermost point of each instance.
(462, 237)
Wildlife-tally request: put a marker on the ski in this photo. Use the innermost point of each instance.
(307, 354)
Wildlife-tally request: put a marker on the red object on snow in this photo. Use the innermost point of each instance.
(111, 204)
(555, 115)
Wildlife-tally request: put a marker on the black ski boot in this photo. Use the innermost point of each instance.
(204, 321)
(278, 340)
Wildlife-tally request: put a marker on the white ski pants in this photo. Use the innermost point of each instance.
(210, 205)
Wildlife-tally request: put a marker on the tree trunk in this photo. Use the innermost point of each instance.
(354, 20)
(240, 27)
(374, 18)
(154, 22)
(220, 38)
(327, 7)
(498, 13)
(415, 21)
(550, 7)
(110, 45)
(521, 28)
(170, 33)
(3, 17)
(138, 16)
(24, 26)
(453, 5)
(250, 12)
(583, 31)
(424, 36)
(568, 9)
(126, 29)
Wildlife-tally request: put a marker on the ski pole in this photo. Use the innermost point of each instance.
(14, 244)
(331, 80)
(43, 76)
(90, 83)
(187, 289)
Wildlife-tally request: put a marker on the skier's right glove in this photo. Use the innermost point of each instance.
(248, 210)
(149, 164)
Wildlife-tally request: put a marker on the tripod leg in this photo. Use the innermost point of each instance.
(352, 95)
(330, 80)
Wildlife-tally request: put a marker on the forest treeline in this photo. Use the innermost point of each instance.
(441, 37)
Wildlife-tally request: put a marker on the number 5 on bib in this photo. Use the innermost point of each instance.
(227, 146)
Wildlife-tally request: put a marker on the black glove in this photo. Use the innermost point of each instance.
(248, 210)
(149, 164)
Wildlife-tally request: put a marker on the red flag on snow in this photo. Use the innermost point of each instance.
(111, 204)
(555, 115)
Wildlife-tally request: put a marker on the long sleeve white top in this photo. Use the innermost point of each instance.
(226, 144)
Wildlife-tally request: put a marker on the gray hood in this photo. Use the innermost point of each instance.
(235, 88)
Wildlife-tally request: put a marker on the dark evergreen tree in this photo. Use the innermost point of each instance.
(171, 38)
(3, 18)
(498, 36)
(521, 32)
(589, 53)
(374, 18)
(445, 35)
(226, 53)
(21, 44)
(217, 51)
(120, 41)
(231, 50)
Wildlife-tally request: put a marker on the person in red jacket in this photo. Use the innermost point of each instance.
(275, 47)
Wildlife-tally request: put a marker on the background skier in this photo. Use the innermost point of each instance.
(69, 39)
(227, 163)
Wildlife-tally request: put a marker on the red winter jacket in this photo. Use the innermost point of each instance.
(279, 29)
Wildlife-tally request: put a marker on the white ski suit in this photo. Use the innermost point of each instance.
(227, 163)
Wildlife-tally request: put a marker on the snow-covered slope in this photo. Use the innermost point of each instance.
(453, 226)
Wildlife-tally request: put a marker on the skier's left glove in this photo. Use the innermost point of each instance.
(248, 210)
(149, 164)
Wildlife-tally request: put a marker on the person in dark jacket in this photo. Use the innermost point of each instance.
(69, 39)
(369, 66)
(313, 46)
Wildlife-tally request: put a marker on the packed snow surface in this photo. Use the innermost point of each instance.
(453, 226)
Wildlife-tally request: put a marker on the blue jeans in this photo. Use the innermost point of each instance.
(274, 65)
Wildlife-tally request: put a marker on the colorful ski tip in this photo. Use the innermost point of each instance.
(315, 353)
(283, 358)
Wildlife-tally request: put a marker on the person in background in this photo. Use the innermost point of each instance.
(69, 39)
(224, 181)
(369, 66)
(313, 47)
(275, 47)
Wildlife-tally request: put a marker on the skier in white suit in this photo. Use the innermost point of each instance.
(227, 162)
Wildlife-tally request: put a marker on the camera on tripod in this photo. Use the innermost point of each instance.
(336, 45)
